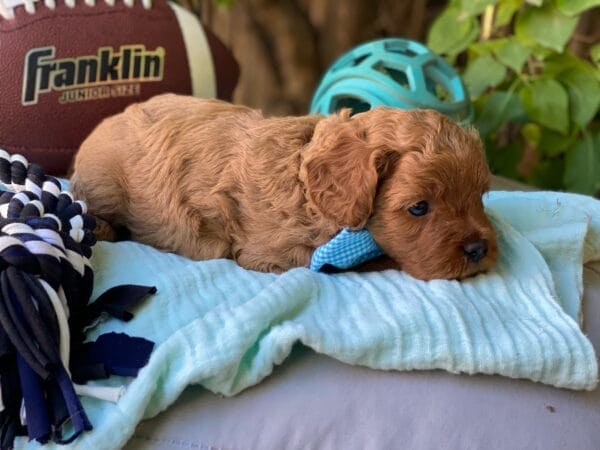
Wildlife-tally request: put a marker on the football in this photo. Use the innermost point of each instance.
(67, 64)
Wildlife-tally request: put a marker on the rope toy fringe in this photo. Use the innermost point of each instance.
(46, 280)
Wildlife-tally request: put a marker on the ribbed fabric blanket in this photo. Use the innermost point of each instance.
(225, 328)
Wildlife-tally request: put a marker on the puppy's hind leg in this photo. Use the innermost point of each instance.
(104, 231)
(105, 201)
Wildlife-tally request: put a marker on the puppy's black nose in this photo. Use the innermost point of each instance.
(475, 251)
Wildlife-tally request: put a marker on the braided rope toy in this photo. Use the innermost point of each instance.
(46, 280)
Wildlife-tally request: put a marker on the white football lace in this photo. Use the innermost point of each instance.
(7, 7)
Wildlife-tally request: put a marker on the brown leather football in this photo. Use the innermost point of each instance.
(67, 64)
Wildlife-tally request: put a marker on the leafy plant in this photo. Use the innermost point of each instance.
(536, 102)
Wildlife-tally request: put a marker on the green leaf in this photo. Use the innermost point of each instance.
(532, 133)
(513, 55)
(548, 174)
(546, 26)
(452, 32)
(475, 7)
(582, 172)
(540, 52)
(557, 63)
(595, 53)
(584, 95)
(553, 144)
(546, 102)
(504, 160)
(574, 7)
(534, 2)
(486, 47)
(505, 11)
(496, 109)
(482, 73)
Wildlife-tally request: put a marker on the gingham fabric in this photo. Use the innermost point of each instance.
(345, 250)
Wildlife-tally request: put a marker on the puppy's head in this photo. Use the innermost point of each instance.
(414, 178)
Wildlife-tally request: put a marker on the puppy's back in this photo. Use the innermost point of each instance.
(141, 150)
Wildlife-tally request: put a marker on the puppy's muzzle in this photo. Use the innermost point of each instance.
(475, 251)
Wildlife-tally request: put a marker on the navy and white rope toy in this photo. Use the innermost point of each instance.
(46, 281)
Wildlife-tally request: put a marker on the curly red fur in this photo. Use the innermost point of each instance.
(208, 179)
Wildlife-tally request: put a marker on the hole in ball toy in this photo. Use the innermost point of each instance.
(435, 84)
(399, 47)
(355, 104)
(348, 61)
(361, 58)
(399, 76)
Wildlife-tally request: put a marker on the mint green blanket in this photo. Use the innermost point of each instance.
(225, 327)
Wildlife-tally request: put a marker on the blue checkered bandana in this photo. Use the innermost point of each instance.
(345, 250)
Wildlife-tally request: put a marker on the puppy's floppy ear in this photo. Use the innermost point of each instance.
(341, 169)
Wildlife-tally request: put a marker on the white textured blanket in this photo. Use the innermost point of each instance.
(225, 327)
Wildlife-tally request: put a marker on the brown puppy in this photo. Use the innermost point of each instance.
(207, 179)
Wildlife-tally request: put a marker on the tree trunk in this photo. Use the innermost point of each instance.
(285, 46)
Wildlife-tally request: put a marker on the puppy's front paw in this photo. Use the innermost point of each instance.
(378, 264)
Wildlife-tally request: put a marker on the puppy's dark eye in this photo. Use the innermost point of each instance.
(419, 209)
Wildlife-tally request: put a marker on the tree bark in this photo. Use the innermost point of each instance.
(284, 46)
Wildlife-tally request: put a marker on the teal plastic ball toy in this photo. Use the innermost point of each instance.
(392, 72)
